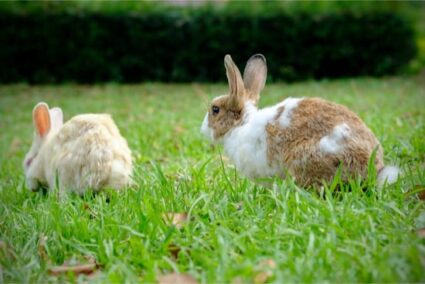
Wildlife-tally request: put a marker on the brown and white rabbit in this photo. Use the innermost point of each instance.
(87, 152)
(309, 138)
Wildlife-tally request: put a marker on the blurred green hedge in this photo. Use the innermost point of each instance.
(89, 47)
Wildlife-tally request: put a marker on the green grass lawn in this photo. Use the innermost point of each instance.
(235, 230)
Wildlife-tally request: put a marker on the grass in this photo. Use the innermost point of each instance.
(233, 226)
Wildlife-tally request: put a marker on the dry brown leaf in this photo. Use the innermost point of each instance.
(88, 268)
(93, 214)
(92, 277)
(264, 268)
(176, 219)
(262, 277)
(176, 278)
(90, 259)
(421, 232)
(421, 195)
(238, 280)
(74, 267)
(267, 263)
(174, 250)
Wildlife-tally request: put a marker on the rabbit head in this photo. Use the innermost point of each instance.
(226, 112)
(46, 122)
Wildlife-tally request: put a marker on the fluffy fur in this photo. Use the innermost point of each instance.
(308, 138)
(389, 175)
(87, 152)
(335, 142)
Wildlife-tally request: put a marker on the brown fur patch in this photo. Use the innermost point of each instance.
(279, 112)
(297, 146)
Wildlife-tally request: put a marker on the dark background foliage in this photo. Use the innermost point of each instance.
(171, 45)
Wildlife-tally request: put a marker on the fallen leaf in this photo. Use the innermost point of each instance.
(174, 250)
(265, 272)
(267, 263)
(90, 259)
(421, 193)
(42, 247)
(93, 214)
(93, 276)
(262, 277)
(176, 278)
(176, 219)
(238, 280)
(74, 266)
(421, 232)
(88, 268)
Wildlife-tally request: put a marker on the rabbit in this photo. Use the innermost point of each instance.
(308, 138)
(86, 152)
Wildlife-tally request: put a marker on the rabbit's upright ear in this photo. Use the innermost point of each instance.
(56, 118)
(41, 119)
(236, 85)
(255, 75)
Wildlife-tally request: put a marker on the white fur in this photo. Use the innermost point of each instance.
(289, 104)
(388, 175)
(334, 142)
(246, 145)
(86, 152)
(206, 130)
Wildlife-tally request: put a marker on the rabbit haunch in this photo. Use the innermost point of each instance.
(87, 152)
(309, 138)
(271, 140)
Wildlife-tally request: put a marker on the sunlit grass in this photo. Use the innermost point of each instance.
(233, 225)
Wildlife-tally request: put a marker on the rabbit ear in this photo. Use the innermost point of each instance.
(255, 75)
(56, 117)
(234, 77)
(41, 119)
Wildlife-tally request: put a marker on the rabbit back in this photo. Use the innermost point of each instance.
(88, 152)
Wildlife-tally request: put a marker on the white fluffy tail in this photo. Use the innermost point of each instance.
(388, 175)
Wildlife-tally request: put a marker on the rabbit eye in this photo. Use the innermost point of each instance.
(215, 110)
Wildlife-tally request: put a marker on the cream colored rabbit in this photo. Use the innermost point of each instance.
(308, 138)
(87, 152)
